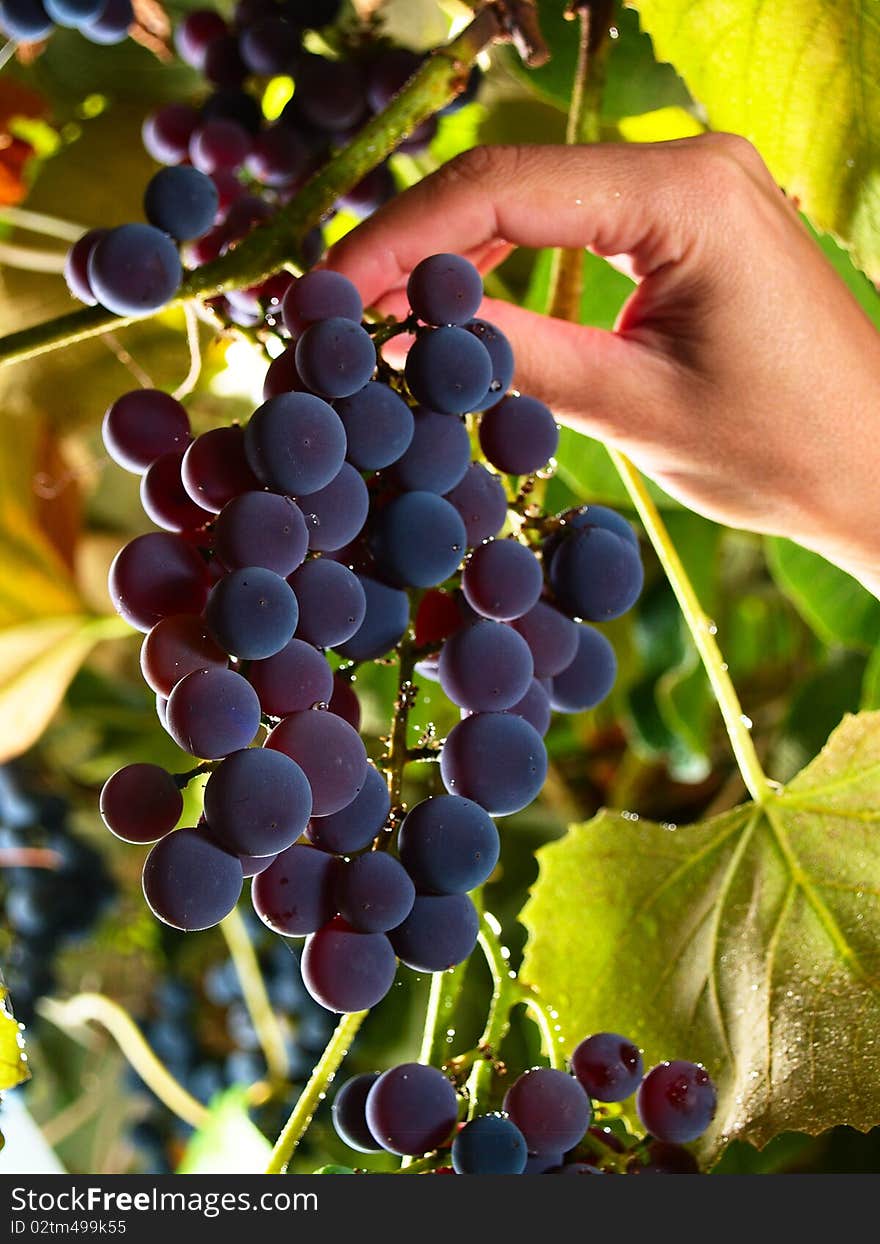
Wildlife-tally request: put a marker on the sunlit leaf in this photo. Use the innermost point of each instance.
(227, 1143)
(829, 600)
(13, 1060)
(749, 942)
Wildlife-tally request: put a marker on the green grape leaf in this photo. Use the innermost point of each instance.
(13, 1059)
(829, 600)
(871, 682)
(749, 942)
(802, 82)
(227, 1143)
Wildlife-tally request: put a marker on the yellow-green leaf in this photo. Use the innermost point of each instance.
(749, 942)
(13, 1060)
(227, 1143)
(37, 661)
(801, 79)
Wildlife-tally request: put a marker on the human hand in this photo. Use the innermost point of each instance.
(741, 375)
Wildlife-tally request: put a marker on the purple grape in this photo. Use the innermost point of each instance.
(496, 759)
(550, 1109)
(332, 602)
(222, 63)
(551, 636)
(502, 580)
(141, 803)
(438, 454)
(374, 892)
(350, 1113)
(76, 266)
(181, 201)
(269, 47)
(26, 21)
(419, 539)
(335, 357)
(588, 679)
(385, 621)
(261, 529)
(335, 515)
(500, 352)
(219, 144)
(166, 501)
(331, 93)
(73, 13)
(252, 613)
(445, 289)
(481, 501)
(388, 73)
(295, 443)
(354, 827)
(448, 845)
(378, 425)
(370, 193)
(215, 468)
(489, 1145)
(676, 1101)
(213, 712)
(295, 894)
(347, 971)
(448, 369)
(167, 132)
(257, 802)
(253, 865)
(608, 1066)
(485, 667)
(320, 296)
(134, 270)
(440, 932)
(279, 157)
(329, 751)
(411, 1109)
(189, 882)
(177, 646)
(596, 574)
(143, 425)
(154, 576)
(534, 707)
(195, 32)
(519, 435)
(293, 680)
(282, 376)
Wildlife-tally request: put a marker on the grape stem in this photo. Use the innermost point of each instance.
(395, 758)
(505, 995)
(313, 1093)
(85, 1007)
(256, 998)
(271, 246)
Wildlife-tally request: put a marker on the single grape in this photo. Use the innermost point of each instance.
(374, 892)
(550, 1108)
(378, 424)
(588, 679)
(438, 454)
(496, 759)
(665, 1159)
(535, 707)
(213, 712)
(282, 376)
(385, 621)
(501, 354)
(76, 266)
(295, 443)
(551, 636)
(73, 13)
(502, 580)
(519, 435)
(347, 971)
(411, 1109)
(296, 895)
(319, 296)
(177, 646)
(387, 73)
(215, 468)
(134, 270)
(332, 602)
(437, 617)
(329, 751)
(154, 576)
(481, 501)
(166, 501)
(344, 702)
(253, 865)
(354, 827)
(596, 574)
(419, 539)
(278, 157)
(608, 1066)
(190, 882)
(141, 803)
(143, 425)
(181, 201)
(223, 64)
(261, 529)
(112, 24)
(485, 667)
(294, 679)
(489, 1145)
(257, 802)
(600, 516)
(350, 1113)
(26, 21)
(444, 289)
(166, 133)
(440, 932)
(269, 46)
(219, 144)
(194, 32)
(448, 845)
(252, 613)
(448, 369)
(544, 1163)
(335, 357)
(331, 93)
(335, 514)
(676, 1101)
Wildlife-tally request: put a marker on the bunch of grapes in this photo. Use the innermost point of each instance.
(546, 1126)
(346, 512)
(227, 171)
(100, 21)
(54, 887)
(223, 1050)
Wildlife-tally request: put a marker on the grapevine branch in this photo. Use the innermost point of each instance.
(277, 243)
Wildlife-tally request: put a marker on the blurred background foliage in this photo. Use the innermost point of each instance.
(801, 638)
